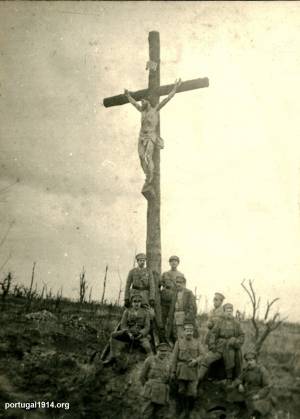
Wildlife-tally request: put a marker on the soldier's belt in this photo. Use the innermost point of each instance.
(185, 360)
(158, 380)
(141, 288)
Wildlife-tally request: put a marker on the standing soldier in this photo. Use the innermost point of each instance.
(155, 377)
(167, 286)
(182, 308)
(255, 384)
(215, 313)
(187, 355)
(135, 327)
(140, 279)
(225, 341)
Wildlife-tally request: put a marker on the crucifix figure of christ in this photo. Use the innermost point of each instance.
(151, 191)
(148, 138)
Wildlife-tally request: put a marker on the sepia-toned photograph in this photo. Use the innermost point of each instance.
(149, 210)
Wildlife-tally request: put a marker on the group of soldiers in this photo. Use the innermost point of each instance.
(180, 357)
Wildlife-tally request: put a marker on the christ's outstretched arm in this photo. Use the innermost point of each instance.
(132, 101)
(170, 95)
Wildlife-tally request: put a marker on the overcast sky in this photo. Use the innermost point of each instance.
(230, 167)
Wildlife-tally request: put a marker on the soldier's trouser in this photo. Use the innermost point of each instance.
(152, 410)
(187, 388)
(165, 313)
(178, 331)
(261, 406)
(229, 358)
(122, 336)
(209, 359)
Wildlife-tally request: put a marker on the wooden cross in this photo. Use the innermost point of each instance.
(153, 242)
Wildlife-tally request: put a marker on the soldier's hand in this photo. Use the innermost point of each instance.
(241, 388)
(138, 337)
(130, 336)
(232, 342)
(178, 83)
(126, 92)
(127, 303)
(192, 363)
(152, 303)
(255, 397)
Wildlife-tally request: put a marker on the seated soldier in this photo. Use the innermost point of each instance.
(225, 343)
(135, 328)
(254, 383)
(183, 308)
(155, 377)
(187, 355)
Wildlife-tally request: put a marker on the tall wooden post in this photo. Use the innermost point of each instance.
(152, 192)
(153, 241)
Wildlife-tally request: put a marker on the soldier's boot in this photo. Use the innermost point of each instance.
(110, 360)
(112, 353)
(190, 406)
(180, 405)
(229, 376)
(146, 345)
(184, 414)
(202, 372)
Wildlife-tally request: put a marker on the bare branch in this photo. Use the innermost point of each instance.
(120, 288)
(5, 262)
(104, 284)
(82, 286)
(269, 305)
(6, 233)
(9, 186)
(255, 305)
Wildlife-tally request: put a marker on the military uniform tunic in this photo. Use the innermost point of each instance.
(213, 316)
(137, 322)
(182, 308)
(225, 341)
(186, 350)
(256, 382)
(155, 376)
(140, 279)
(168, 285)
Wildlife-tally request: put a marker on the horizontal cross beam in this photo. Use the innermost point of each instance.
(163, 91)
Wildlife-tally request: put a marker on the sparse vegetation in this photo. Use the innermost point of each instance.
(53, 353)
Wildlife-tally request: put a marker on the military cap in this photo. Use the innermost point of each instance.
(188, 323)
(174, 258)
(218, 294)
(141, 256)
(227, 305)
(180, 278)
(163, 347)
(136, 295)
(250, 355)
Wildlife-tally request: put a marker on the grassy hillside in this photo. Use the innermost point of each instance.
(50, 359)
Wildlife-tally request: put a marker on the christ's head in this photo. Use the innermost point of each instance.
(145, 104)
